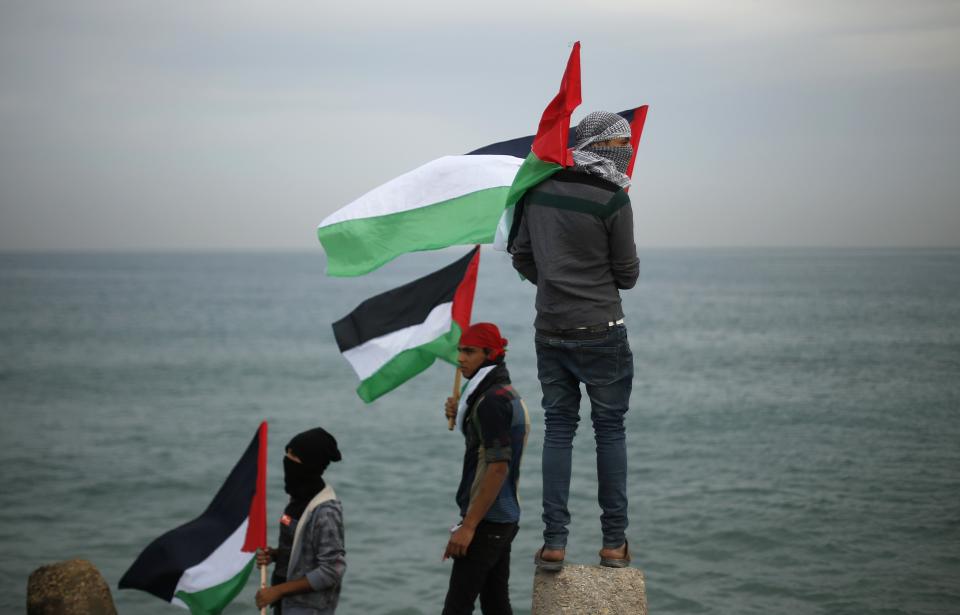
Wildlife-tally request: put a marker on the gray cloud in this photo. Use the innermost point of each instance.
(243, 124)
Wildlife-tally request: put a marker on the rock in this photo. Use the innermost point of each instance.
(590, 590)
(73, 587)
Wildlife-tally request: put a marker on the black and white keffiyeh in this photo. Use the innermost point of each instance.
(609, 163)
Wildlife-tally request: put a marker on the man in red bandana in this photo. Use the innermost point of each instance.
(495, 425)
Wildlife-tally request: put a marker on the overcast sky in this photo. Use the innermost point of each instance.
(240, 125)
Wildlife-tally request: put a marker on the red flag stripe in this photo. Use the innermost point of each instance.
(463, 298)
(257, 521)
(550, 144)
(636, 129)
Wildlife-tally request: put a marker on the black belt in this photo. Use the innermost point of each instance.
(579, 332)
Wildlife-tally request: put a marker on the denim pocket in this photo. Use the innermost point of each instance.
(550, 369)
(600, 365)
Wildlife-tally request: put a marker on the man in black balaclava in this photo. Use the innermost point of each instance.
(311, 531)
(574, 240)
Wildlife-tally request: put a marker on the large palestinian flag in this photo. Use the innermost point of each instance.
(455, 200)
(394, 336)
(202, 565)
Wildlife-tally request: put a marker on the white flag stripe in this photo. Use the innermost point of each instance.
(223, 564)
(373, 354)
(467, 390)
(437, 181)
(503, 229)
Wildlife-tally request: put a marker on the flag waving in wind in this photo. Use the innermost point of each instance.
(394, 336)
(202, 565)
(450, 201)
(456, 200)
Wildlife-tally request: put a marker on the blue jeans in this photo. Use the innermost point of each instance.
(604, 363)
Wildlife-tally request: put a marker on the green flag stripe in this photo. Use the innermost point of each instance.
(532, 172)
(214, 599)
(356, 247)
(409, 363)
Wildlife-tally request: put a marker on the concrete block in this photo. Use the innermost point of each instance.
(73, 587)
(590, 590)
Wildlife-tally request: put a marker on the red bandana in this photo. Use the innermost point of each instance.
(485, 335)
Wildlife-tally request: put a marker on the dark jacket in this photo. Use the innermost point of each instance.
(573, 238)
(495, 429)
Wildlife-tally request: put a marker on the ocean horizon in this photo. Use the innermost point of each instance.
(792, 439)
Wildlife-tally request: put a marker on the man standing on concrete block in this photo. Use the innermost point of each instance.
(495, 424)
(575, 241)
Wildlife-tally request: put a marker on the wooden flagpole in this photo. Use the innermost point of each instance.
(263, 584)
(452, 421)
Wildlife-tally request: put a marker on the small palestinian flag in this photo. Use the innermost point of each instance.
(456, 200)
(394, 336)
(202, 565)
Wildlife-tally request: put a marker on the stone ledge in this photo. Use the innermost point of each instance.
(73, 587)
(590, 590)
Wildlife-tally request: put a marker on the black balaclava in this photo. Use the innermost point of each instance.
(316, 448)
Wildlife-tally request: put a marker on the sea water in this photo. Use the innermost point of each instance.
(793, 437)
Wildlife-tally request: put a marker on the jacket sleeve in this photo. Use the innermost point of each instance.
(327, 562)
(522, 251)
(623, 251)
